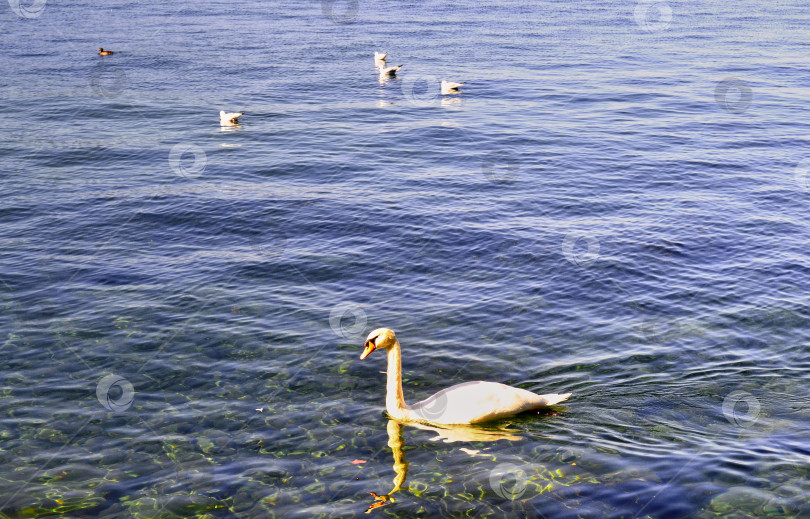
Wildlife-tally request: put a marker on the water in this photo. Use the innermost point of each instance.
(615, 206)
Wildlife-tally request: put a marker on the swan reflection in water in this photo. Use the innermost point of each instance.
(452, 434)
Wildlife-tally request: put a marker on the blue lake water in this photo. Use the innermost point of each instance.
(616, 206)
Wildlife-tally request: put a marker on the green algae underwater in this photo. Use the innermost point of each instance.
(241, 440)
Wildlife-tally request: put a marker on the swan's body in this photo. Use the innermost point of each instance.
(229, 118)
(448, 87)
(389, 71)
(467, 403)
(380, 56)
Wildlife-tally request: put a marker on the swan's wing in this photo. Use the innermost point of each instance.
(474, 402)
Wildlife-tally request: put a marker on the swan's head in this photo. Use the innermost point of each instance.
(379, 338)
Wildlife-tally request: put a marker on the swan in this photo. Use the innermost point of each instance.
(380, 56)
(466, 403)
(389, 71)
(229, 118)
(448, 87)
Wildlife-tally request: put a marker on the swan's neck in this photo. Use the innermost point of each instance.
(394, 399)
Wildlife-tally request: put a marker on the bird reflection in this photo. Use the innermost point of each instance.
(448, 435)
(452, 102)
(396, 442)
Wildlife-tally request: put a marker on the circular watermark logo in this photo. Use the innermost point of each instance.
(653, 15)
(577, 257)
(508, 481)
(421, 90)
(341, 12)
(108, 81)
(184, 169)
(570, 455)
(115, 393)
(802, 175)
(433, 409)
(741, 408)
(733, 95)
(32, 10)
(501, 167)
(348, 320)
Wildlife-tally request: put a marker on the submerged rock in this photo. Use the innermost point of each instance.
(746, 502)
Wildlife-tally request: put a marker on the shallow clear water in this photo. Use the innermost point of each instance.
(615, 206)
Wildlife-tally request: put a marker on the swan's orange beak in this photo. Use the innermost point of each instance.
(370, 346)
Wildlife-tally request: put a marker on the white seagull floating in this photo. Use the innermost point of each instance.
(380, 56)
(229, 118)
(448, 87)
(389, 71)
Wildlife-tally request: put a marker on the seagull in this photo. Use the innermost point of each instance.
(229, 118)
(380, 56)
(390, 71)
(448, 87)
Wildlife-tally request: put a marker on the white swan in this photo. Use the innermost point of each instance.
(380, 56)
(467, 403)
(448, 87)
(389, 71)
(229, 118)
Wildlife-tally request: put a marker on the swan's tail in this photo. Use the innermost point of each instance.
(555, 398)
